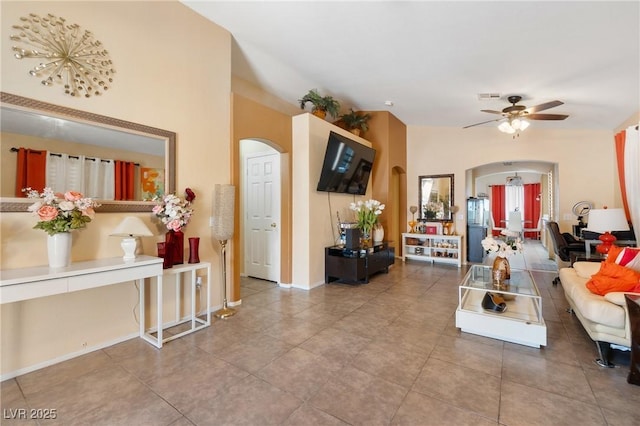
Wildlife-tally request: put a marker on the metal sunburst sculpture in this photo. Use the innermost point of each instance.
(71, 56)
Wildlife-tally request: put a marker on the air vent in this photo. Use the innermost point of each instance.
(488, 96)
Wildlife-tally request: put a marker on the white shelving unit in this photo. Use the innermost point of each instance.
(432, 248)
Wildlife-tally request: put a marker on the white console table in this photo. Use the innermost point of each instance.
(41, 281)
(196, 323)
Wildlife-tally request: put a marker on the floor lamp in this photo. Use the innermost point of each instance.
(222, 224)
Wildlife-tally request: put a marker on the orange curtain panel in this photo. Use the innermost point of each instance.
(31, 170)
(124, 177)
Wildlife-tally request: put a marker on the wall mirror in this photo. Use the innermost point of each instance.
(25, 120)
(435, 198)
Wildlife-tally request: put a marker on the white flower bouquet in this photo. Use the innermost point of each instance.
(506, 248)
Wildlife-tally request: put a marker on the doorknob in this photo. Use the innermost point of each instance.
(273, 225)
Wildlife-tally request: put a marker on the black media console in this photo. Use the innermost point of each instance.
(356, 265)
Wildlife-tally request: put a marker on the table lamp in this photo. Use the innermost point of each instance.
(604, 221)
(129, 229)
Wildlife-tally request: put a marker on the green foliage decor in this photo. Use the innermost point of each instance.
(320, 103)
(354, 120)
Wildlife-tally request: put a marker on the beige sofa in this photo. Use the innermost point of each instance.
(605, 318)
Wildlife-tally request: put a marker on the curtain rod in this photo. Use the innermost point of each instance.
(14, 149)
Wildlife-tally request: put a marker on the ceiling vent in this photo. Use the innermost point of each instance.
(488, 96)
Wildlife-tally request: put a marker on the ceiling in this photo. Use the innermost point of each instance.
(432, 59)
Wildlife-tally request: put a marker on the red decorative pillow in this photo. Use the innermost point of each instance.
(614, 277)
(629, 257)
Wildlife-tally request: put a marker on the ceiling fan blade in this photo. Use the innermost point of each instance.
(546, 116)
(490, 111)
(544, 106)
(484, 122)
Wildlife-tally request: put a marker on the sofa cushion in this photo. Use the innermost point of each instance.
(617, 297)
(586, 269)
(613, 277)
(630, 258)
(591, 306)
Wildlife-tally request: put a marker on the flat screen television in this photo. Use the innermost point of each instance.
(347, 166)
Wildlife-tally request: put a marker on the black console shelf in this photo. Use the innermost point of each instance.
(356, 265)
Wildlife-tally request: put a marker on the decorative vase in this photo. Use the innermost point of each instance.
(356, 131)
(501, 273)
(165, 251)
(177, 239)
(59, 249)
(194, 244)
(378, 233)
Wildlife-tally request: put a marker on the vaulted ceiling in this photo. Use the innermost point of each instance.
(432, 59)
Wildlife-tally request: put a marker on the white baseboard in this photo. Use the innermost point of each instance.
(66, 357)
(71, 355)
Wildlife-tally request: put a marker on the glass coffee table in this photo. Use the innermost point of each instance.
(520, 323)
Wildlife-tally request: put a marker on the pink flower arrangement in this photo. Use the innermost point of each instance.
(174, 212)
(61, 212)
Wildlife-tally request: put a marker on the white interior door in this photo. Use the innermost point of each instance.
(262, 225)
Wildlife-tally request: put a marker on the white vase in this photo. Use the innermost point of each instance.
(378, 233)
(59, 249)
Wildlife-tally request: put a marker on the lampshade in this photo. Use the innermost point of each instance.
(130, 228)
(607, 220)
(604, 221)
(222, 217)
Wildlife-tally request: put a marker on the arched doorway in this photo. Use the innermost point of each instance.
(480, 180)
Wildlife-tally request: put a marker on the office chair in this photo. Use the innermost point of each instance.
(563, 245)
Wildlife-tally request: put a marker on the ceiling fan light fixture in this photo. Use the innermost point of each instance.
(524, 124)
(515, 123)
(506, 127)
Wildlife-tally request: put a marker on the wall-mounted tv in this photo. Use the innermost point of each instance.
(347, 166)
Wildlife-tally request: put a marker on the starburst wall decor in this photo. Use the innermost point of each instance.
(70, 56)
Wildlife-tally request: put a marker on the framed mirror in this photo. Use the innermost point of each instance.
(435, 198)
(27, 121)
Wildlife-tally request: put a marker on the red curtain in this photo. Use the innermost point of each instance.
(124, 177)
(620, 138)
(531, 207)
(498, 207)
(31, 170)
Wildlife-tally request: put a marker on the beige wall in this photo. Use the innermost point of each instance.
(265, 122)
(173, 71)
(313, 228)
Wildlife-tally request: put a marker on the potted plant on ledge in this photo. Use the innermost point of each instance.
(355, 122)
(321, 104)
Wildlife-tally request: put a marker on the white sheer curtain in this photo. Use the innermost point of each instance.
(64, 172)
(632, 175)
(108, 168)
(99, 178)
(513, 199)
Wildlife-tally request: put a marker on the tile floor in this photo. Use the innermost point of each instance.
(384, 353)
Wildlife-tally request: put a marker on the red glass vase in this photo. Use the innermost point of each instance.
(177, 239)
(194, 244)
(165, 251)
